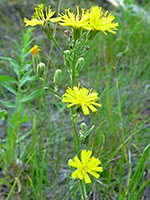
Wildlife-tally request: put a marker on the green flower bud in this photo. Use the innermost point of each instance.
(57, 77)
(83, 127)
(41, 70)
(79, 65)
(5, 115)
(66, 61)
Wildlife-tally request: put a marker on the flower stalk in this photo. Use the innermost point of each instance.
(50, 89)
(85, 25)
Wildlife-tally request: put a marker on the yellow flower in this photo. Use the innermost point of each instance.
(86, 166)
(35, 50)
(82, 98)
(38, 18)
(101, 22)
(75, 21)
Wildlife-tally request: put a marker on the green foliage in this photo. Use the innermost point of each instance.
(41, 130)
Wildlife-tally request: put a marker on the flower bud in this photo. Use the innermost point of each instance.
(79, 65)
(83, 127)
(5, 115)
(66, 61)
(41, 70)
(66, 33)
(57, 77)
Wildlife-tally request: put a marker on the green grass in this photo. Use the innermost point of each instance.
(117, 67)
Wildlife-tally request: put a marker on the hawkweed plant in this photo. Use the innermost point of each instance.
(84, 27)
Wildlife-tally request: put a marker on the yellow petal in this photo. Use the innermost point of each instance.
(87, 178)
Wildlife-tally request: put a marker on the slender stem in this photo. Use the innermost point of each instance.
(16, 118)
(76, 132)
(51, 37)
(55, 43)
(80, 51)
(83, 190)
(123, 143)
(73, 67)
(51, 88)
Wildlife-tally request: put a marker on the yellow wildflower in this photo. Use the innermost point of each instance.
(75, 21)
(100, 22)
(35, 50)
(86, 166)
(38, 18)
(82, 98)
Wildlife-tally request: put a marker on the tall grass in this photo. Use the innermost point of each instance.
(118, 68)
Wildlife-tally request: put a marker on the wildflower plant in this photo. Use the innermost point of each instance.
(84, 27)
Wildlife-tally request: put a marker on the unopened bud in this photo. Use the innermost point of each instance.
(80, 64)
(5, 115)
(87, 48)
(66, 61)
(41, 70)
(83, 127)
(66, 33)
(57, 77)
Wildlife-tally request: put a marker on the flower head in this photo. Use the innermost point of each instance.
(38, 18)
(101, 22)
(82, 98)
(35, 50)
(87, 165)
(75, 21)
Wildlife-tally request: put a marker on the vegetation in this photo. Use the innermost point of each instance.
(37, 136)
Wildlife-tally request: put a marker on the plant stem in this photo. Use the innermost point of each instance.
(76, 132)
(83, 190)
(73, 67)
(123, 143)
(51, 88)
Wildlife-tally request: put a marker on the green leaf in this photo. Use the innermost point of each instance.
(7, 104)
(25, 78)
(14, 64)
(26, 66)
(9, 88)
(4, 78)
(32, 95)
(2, 112)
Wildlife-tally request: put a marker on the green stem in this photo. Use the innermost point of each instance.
(73, 68)
(123, 143)
(16, 130)
(81, 49)
(51, 37)
(76, 132)
(51, 88)
(83, 190)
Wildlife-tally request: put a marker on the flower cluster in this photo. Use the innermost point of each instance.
(91, 20)
(87, 165)
(86, 22)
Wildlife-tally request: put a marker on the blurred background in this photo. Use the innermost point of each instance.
(118, 68)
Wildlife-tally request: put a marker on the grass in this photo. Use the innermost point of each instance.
(117, 67)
